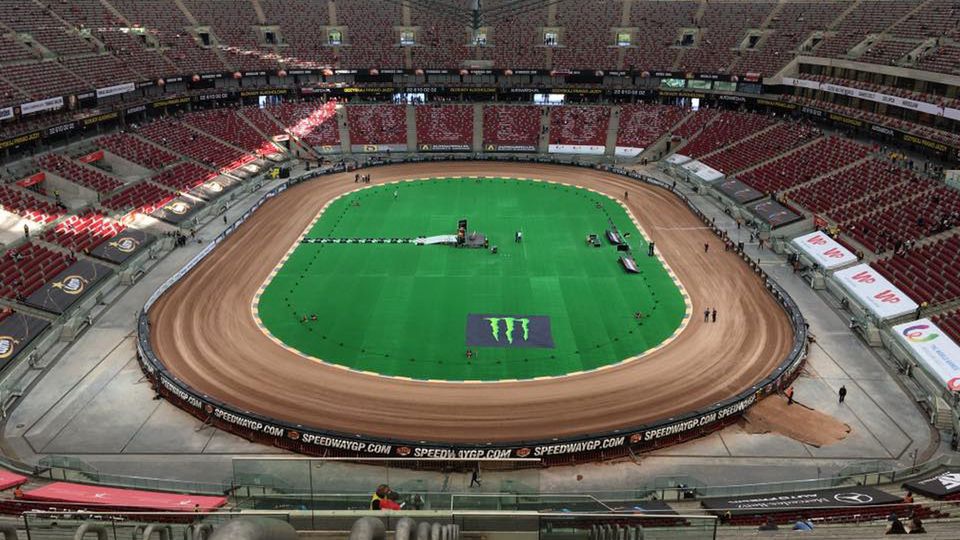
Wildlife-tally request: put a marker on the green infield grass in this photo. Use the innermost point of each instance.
(547, 306)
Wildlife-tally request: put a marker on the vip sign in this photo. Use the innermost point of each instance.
(875, 292)
(509, 331)
(826, 251)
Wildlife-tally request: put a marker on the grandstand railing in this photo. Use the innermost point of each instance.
(545, 525)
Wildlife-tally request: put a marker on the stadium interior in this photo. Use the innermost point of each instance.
(813, 144)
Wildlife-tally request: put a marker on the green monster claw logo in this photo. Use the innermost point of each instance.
(510, 323)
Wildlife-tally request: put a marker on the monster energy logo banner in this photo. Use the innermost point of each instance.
(509, 331)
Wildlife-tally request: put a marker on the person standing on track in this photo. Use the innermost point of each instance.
(706, 247)
(713, 315)
(789, 394)
(706, 315)
(842, 393)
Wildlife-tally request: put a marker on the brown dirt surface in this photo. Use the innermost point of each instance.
(797, 421)
(204, 332)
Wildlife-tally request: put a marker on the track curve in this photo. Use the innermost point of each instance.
(204, 332)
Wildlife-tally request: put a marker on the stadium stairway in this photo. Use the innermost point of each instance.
(544, 144)
(411, 127)
(345, 141)
(659, 147)
(613, 126)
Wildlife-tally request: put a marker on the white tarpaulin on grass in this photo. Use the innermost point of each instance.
(576, 149)
(826, 251)
(875, 292)
(703, 171)
(627, 151)
(938, 354)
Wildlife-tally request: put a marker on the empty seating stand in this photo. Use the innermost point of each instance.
(22, 203)
(142, 196)
(184, 176)
(85, 176)
(445, 125)
(25, 269)
(511, 126)
(315, 123)
(81, 233)
(805, 164)
(136, 150)
(173, 135)
(642, 124)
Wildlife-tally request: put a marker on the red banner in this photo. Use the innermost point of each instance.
(33, 179)
(91, 157)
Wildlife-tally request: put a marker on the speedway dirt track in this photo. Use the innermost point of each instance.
(203, 330)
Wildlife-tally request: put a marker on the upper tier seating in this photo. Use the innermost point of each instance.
(642, 124)
(179, 138)
(227, 125)
(721, 30)
(445, 124)
(26, 268)
(167, 22)
(654, 46)
(944, 60)
(81, 233)
(370, 32)
(442, 42)
(70, 170)
(867, 17)
(299, 20)
(803, 165)
(887, 52)
(315, 123)
(129, 49)
(939, 18)
(47, 30)
(768, 144)
(787, 30)
(104, 70)
(511, 125)
(14, 51)
(142, 196)
(234, 27)
(727, 128)
(589, 46)
(377, 124)
(184, 176)
(136, 150)
(573, 125)
(516, 42)
(22, 203)
(43, 79)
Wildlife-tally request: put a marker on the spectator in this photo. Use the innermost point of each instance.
(916, 526)
(769, 525)
(803, 524)
(895, 527)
